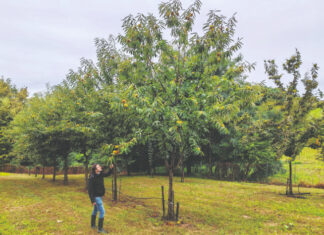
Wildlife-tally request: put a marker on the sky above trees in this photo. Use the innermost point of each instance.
(42, 40)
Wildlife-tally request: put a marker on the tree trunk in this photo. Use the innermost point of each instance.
(216, 171)
(36, 171)
(170, 215)
(234, 170)
(54, 173)
(29, 171)
(127, 169)
(290, 180)
(182, 172)
(43, 177)
(210, 166)
(222, 170)
(150, 157)
(66, 168)
(247, 172)
(86, 170)
(115, 182)
(188, 167)
(54, 169)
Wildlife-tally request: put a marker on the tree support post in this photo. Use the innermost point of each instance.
(177, 213)
(163, 206)
(115, 183)
(290, 180)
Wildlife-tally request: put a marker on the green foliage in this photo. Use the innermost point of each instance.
(11, 102)
(301, 114)
(295, 128)
(185, 87)
(178, 96)
(43, 130)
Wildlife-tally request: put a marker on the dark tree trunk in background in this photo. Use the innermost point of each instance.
(224, 170)
(247, 171)
(216, 171)
(127, 169)
(196, 168)
(54, 173)
(86, 169)
(150, 157)
(290, 192)
(54, 169)
(115, 182)
(188, 167)
(182, 172)
(66, 168)
(43, 177)
(210, 166)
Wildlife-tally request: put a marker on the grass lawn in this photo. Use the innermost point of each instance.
(31, 205)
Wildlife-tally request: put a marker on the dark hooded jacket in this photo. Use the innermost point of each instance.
(96, 187)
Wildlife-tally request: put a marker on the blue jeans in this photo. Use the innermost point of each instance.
(99, 206)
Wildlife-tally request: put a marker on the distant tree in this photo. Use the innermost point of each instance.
(251, 136)
(12, 101)
(294, 129)
(44, 130)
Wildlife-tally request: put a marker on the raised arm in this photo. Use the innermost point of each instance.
(107, 173)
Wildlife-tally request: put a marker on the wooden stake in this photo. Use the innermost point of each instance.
(115, 182)
(119, 187)
(163, 207)
(177, 213)
(172, 204)
(112, 187)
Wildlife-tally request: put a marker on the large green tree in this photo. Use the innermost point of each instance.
(181, 84)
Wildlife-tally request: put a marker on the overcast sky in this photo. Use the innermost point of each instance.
(41, 40)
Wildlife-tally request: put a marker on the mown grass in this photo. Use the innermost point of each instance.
(308, 169)
(30, 205)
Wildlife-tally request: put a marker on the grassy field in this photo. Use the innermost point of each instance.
(308, 169)
(31, 205)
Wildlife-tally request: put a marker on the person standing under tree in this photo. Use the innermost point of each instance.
(96, 190)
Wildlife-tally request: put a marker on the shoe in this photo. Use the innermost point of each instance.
(100, 225)
(93, 221)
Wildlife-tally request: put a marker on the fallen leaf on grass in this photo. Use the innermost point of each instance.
(155, 214)
(170, 223)
(180, 222)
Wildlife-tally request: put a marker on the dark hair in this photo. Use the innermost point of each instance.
(93, 169)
